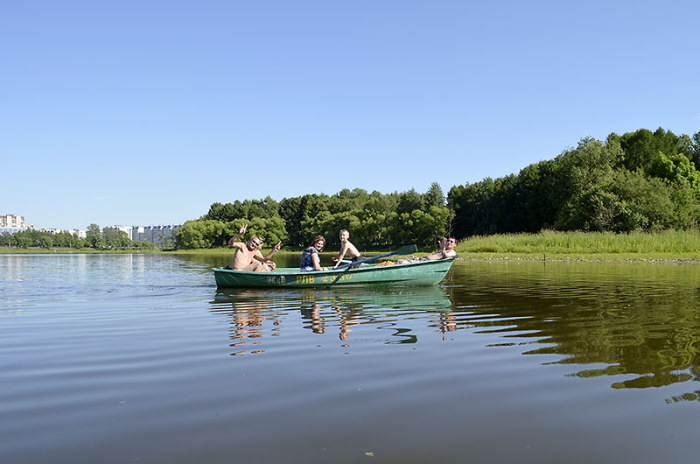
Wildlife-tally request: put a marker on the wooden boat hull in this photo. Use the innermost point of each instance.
(407, 274)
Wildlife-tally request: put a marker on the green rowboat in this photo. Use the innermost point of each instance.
(406, 274)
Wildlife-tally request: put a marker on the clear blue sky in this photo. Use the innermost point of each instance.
(146, 112)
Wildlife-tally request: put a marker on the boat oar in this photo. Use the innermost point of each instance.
(404, 250)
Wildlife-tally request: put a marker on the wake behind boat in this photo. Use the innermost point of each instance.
(407, 274)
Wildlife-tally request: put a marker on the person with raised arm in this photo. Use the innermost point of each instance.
(248, 256)
(446, 250)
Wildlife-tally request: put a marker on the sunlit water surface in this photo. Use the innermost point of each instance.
(133, 358)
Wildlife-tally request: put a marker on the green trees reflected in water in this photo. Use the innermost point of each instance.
(636, 322)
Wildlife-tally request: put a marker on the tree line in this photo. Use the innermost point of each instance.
(95, 237)
(640, 180)
(375, 220)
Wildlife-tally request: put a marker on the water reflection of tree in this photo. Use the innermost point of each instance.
(646, 330)
(651, 340)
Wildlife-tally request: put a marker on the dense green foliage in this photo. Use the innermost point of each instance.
(641, 180)
(638, 181)
(375, 220)
(96, 238)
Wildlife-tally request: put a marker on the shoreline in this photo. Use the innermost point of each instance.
(591, 259)
(608, 258)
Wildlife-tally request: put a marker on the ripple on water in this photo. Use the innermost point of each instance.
(141, 358)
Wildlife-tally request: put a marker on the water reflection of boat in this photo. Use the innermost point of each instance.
(340, 308)
(407, 274)
(379, 298)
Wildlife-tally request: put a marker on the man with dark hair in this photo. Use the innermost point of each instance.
(248, 256)
(447, 249)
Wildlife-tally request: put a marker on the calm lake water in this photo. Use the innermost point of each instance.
(138, 358)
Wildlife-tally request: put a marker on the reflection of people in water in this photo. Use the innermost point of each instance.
(348, 315)
(351, 314)
(253, 310)
(248, 316)
(348, 318)
(311, 312)
(447, 323)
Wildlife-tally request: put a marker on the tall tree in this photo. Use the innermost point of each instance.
(410, 201)
(434, 196)
(93, 235)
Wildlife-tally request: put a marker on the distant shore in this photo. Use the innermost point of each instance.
(682, 247)
(69, 251)
(590, 259)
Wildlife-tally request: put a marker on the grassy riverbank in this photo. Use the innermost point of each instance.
(671, 245)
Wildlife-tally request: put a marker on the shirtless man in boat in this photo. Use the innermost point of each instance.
(248, 256)
(447, 250)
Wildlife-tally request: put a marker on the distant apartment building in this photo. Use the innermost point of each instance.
(160, 235)
(10, 220)
(126, 229)
(11, 223)
(78, 233)
(74, 232)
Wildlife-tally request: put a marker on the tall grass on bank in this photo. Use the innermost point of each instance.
(645, 245)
